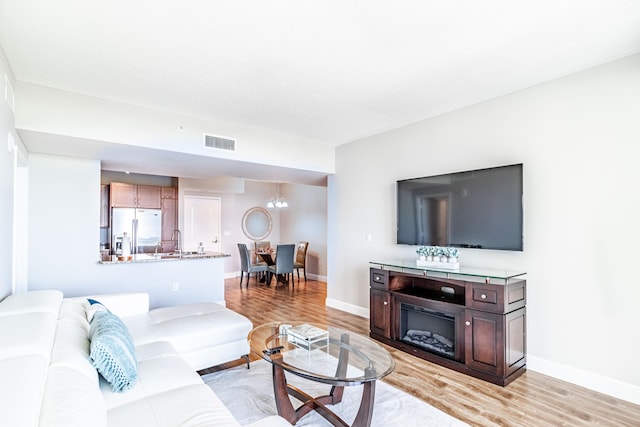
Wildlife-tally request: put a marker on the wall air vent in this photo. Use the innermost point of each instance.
(212, 141)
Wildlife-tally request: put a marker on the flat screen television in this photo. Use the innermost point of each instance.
(479, 209)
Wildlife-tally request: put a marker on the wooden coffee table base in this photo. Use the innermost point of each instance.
(282, 390)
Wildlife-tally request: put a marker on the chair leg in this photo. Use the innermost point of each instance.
(241, 275)
(305, 274)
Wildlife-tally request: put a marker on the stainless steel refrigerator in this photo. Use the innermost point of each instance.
(143, 226)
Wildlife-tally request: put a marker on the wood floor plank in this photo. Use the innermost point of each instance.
(532, 399)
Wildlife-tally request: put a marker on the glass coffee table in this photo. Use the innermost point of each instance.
(324, 354)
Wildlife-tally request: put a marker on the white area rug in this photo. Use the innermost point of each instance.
(248, 393)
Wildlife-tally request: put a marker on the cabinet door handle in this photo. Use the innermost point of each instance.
(483, 296)
(385, 303)
(467, 323)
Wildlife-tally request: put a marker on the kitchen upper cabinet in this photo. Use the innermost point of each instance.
(124, 195)
(169, 192)
(149, 197)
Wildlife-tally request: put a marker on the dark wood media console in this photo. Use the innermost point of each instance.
(462, 320)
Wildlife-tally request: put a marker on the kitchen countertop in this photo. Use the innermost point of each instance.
(137, 258)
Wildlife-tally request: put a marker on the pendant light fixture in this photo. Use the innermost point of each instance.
(277, 202)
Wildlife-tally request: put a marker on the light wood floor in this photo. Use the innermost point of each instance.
(531, 400)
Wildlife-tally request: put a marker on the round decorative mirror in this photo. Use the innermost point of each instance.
(257, 223)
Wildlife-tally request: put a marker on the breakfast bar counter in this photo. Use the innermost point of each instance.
(169, 279)
(160, 257)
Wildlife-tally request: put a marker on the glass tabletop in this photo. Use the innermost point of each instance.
(483, 273)
(318, 352)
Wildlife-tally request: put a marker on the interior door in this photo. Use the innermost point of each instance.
(201, 223)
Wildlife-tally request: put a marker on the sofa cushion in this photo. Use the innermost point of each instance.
(190, 406)
(21, 383)
(71, 344)
(28, 323)
(72, 399)
(32, 302)
(122, 304)
(195, 329)
(112, 351)
(160, 369)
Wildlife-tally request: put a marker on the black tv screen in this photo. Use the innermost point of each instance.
(479, 209)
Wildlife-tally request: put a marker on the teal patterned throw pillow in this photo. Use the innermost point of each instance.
(112, 351)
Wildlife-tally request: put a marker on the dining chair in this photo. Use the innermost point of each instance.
(300, 261)
(261, 246)
(247, 265)
(283, 266)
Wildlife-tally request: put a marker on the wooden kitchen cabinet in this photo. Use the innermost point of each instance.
(124, 195)
(169, 192)
(169, 204)
(148, 197)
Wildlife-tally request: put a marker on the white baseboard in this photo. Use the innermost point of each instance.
(349, 308)
(599, 383)
(316, 277)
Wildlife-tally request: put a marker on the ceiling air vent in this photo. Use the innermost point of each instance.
(212, 141)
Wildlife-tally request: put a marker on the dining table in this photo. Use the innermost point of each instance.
(267, 256)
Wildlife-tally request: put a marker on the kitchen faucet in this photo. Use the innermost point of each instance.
(178, 240)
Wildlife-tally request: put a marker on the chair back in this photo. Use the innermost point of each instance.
(263, 245)
(301, 253)
(245, 259)
(284, 258)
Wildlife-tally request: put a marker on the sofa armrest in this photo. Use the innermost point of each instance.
(123, 304)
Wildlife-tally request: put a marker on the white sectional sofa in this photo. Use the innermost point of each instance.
(47, 378)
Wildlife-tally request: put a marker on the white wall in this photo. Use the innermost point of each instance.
(64, 242)
(235, 201)
(306, 220)
(578, 138)
(7, 170)
(64, 237)
(58, 112)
